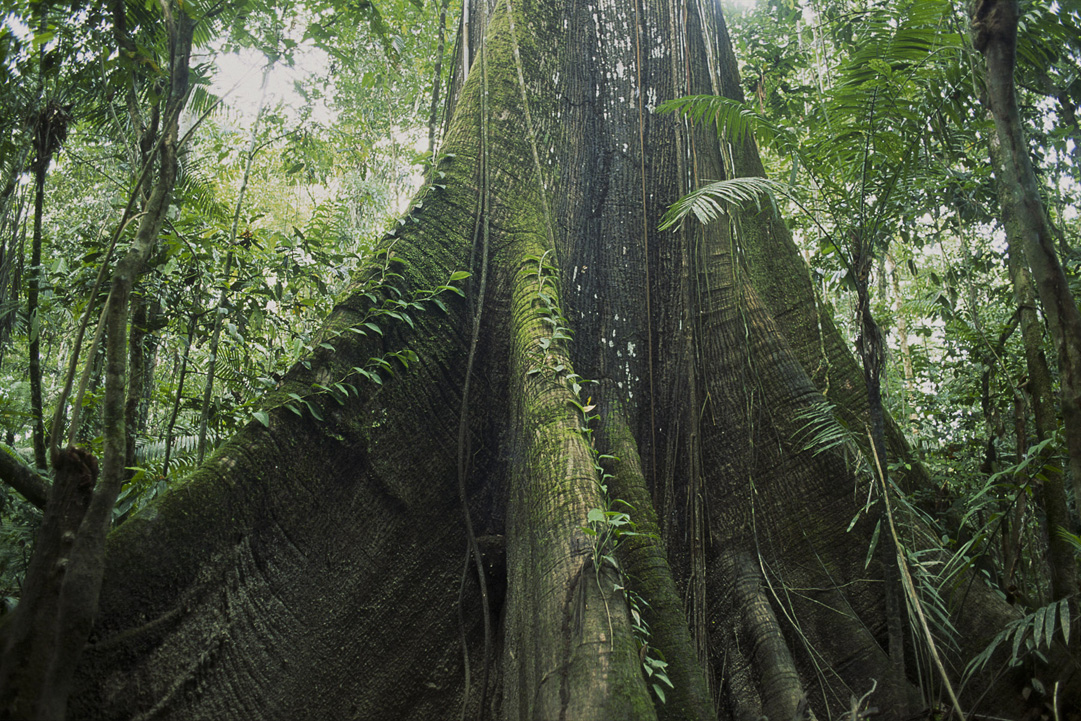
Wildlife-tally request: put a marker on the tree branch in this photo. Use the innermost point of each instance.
(24, 479)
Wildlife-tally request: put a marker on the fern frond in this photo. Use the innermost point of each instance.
(152, 451)
(1034, 631)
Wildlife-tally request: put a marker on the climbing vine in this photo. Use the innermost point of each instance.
(388, 303)
(608, 524)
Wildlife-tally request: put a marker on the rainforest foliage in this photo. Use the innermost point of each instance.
(300, 133)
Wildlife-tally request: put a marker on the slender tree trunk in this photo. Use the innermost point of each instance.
(1012, 533)
(994, 28)
(33, 296)
(49, 125)
(181, 378)
(433, 113)
(139, 361)
(902, 326)
(212, 361)
(12, 205)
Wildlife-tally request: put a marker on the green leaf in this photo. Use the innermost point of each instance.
(314, 411)
(718, 198)
(1049, 625)
(459, 275)
(874, 542)
(1020, 631)
(733, 119)
(262, 417)
(1038, 626)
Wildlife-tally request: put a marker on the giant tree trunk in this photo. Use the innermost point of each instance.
(313, 567)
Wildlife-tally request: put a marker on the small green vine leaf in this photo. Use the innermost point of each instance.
(314, 412)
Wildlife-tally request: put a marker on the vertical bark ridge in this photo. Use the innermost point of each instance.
(567, 628)
(781, 689)
(645, 562)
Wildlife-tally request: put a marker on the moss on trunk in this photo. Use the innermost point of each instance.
(314, 568)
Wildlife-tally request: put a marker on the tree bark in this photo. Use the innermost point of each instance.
(43, 642)
(40, 644)
(994, 31)
(141, 363)
(33, 293)
(22, 477)
(313, 566)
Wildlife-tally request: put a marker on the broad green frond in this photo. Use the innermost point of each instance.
(733, 119)
(718, 198)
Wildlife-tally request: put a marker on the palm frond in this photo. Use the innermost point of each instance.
(202, 101)
(719, 198)
(733, 119)
(196, 188)
(821, 432)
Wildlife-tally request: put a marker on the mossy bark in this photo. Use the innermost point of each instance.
(994, 34)
(1052, 489)
(314, 568)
